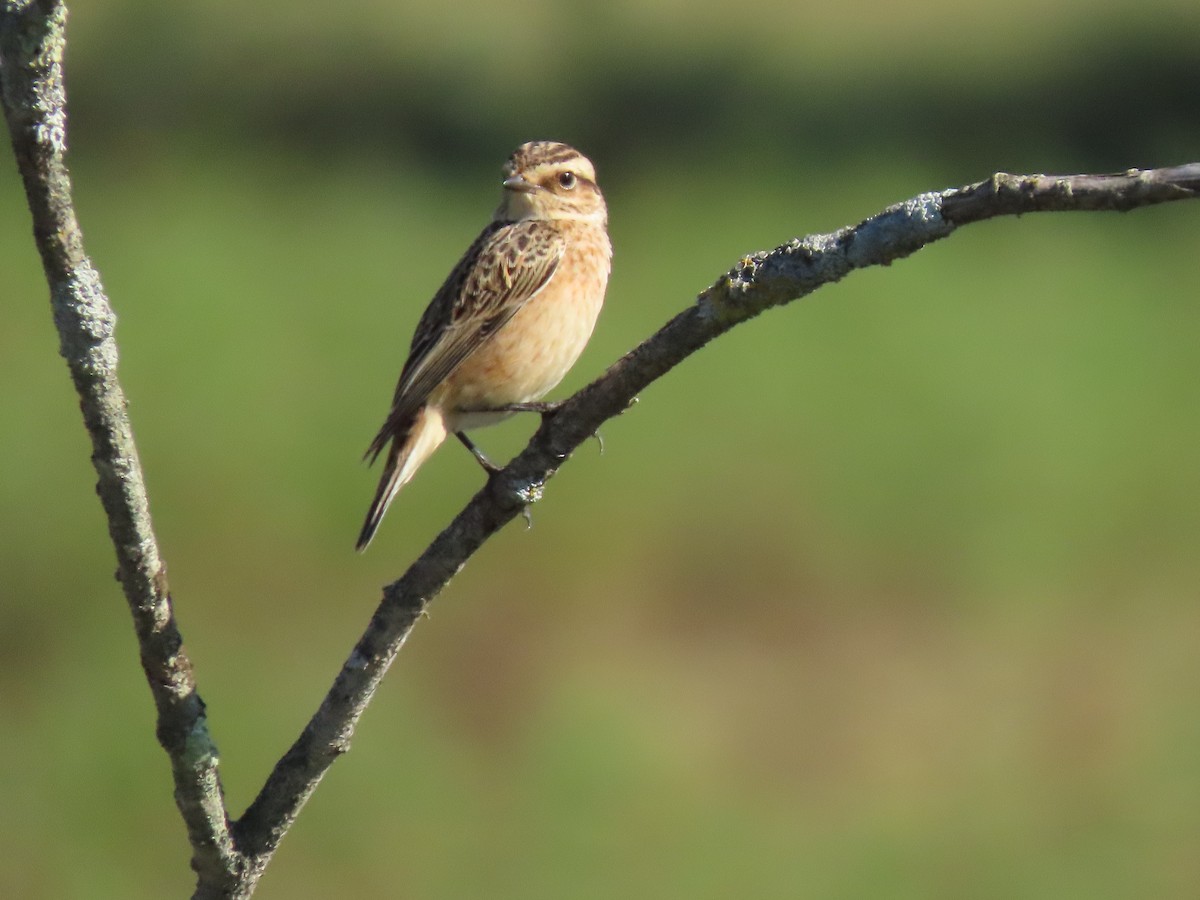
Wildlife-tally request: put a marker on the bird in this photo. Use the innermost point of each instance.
(509, 321)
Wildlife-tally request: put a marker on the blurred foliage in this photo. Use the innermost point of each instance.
(889, 593)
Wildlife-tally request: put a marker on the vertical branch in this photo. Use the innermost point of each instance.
(31, 79)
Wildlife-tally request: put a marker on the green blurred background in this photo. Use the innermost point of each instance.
(891, 593)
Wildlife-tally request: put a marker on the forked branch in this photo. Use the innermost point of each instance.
(229, 857)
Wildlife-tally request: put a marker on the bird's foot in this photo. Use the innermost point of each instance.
(492, 469)
(545, 408)
(488, 466)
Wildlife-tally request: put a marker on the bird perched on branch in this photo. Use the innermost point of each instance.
(509, 321)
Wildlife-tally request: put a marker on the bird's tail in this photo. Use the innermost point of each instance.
(410, 447)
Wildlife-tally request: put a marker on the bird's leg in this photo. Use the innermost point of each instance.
(546, 409)
(488, 466)
(491, 468)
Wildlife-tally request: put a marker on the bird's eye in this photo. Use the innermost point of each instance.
(566, 180)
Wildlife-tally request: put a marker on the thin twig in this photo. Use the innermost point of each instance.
(1003, 195)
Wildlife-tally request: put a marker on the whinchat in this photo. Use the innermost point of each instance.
(509, 321)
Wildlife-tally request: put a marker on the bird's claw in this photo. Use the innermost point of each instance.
(545, 408)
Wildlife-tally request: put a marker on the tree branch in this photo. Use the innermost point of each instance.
(1006, 195)
(230, 858)
(754, 285)
(31, 81)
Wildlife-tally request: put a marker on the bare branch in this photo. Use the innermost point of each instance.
(756, 283)
(1003, 195)
(31, 51)
(230, 858)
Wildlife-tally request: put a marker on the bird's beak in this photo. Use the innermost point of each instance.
(519, 184)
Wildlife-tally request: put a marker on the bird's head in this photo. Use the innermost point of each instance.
(549, 180)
